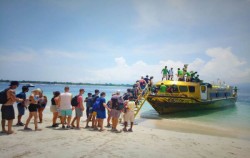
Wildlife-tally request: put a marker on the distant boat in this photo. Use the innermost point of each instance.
(191, 96)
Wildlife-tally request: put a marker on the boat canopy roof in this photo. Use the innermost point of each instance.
(207, 84)
(178, 83)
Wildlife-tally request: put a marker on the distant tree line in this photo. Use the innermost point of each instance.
(69, 83)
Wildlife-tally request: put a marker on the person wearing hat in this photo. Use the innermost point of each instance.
(21, 105)
(79, 110)
(33, 108)
(7, 108)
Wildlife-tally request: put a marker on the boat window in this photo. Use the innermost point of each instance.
(175, 89)
(212, 95)
(191, 88)
(203, 89)
(183, 88)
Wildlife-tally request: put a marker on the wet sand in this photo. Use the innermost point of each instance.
(196, 128)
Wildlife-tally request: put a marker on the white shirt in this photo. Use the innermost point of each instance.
(65, 101)
(171, 72)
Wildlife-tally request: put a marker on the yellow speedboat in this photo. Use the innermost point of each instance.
(182, 96)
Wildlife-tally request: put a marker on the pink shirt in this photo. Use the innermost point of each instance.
(79, 100)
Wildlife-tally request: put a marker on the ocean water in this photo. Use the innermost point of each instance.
(237, 116)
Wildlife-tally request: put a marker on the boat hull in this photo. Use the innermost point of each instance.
(168, 104)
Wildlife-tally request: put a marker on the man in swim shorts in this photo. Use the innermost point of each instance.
(65, 106)
(7, 108)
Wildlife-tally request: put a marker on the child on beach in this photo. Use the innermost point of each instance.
(33, 98)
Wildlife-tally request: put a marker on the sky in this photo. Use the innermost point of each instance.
(115, 41)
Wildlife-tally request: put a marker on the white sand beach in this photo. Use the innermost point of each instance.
(149, 139)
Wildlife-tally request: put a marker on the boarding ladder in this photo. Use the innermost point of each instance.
(141, 99)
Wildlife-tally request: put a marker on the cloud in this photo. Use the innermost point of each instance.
(25, 55)
(121, 62)
(223, 64)
(51, 65)
(226, 66)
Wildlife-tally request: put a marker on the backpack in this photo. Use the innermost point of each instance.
(97, 104)
(74, 101)
(126, 96)
(89, 102)
(3, 96)
(117, 103)
(120, 103)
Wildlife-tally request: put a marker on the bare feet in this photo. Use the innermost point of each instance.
(27, 128)
(38, 129)
(125, 129)
(116, 131)
(10, 132)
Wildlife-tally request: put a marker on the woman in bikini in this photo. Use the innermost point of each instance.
(33, 98)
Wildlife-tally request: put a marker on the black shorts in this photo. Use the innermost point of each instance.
(8, 112)
(33, 108)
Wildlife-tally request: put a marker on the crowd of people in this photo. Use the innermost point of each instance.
(95, 105)
(182, 74)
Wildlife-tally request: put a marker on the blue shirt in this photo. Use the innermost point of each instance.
(89, 102)
(102, 100)
(21, 95)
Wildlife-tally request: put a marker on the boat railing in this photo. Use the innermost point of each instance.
(141, 99)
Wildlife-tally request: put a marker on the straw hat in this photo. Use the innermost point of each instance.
(37, 90)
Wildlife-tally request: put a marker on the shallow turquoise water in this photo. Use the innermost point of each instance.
(235, 117)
